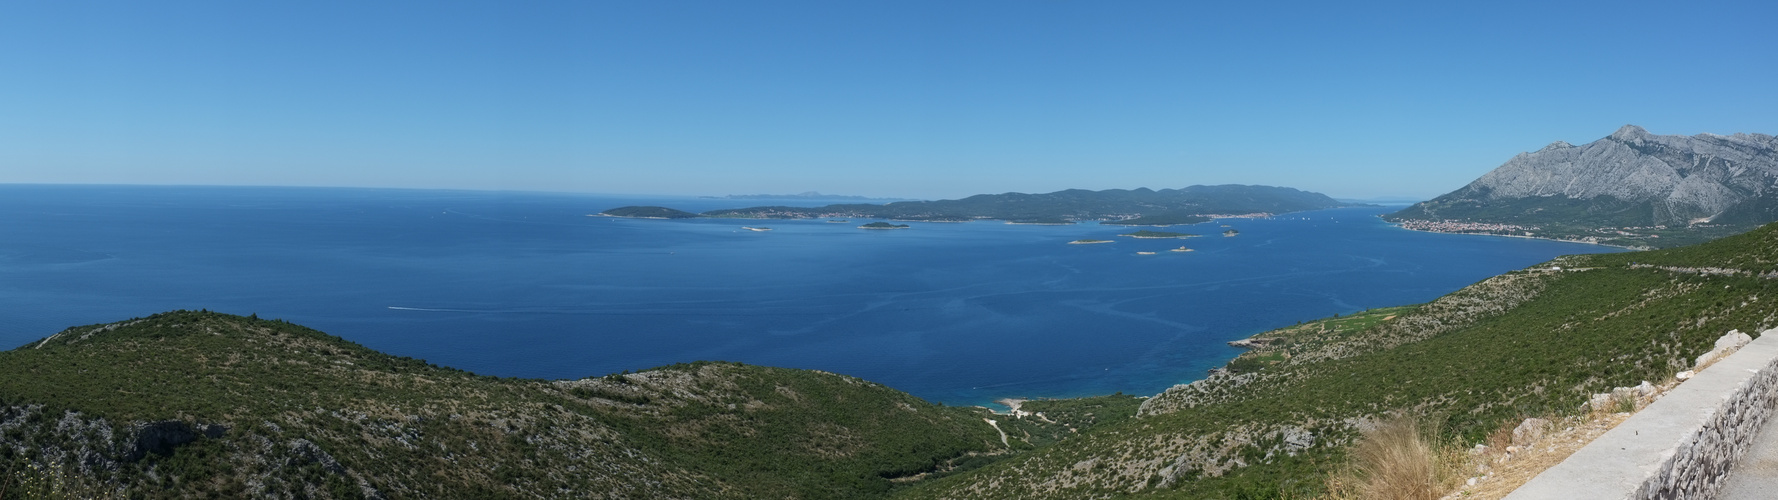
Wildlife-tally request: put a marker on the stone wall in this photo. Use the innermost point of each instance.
(1682, 445)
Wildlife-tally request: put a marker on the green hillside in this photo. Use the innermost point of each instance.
(1166, 206)
(1528, 343)
(1603, 219)
(647, 212)
(200, 404)
(1163, 220)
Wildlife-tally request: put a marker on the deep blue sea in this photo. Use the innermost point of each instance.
(528, 285)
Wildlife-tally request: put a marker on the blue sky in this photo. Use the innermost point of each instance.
(903, 98)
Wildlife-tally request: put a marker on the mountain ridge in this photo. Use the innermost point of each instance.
(1183, 204)
(1629, 179)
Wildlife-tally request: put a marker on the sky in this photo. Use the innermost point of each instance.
(897, 98)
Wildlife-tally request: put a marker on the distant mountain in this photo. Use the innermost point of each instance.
(1185, 205)
(807, 195)
(1630, 179)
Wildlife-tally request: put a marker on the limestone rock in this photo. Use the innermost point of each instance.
(1529, 431)
(1649, 179)
(1726, 345)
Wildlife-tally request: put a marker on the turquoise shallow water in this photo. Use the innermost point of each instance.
(526, 284)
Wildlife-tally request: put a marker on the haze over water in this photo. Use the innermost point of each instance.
(527, 285)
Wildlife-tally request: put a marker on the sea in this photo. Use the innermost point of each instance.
(521, 284)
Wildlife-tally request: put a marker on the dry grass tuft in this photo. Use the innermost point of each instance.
(1398, 461)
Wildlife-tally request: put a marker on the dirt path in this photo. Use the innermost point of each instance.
(996, 426)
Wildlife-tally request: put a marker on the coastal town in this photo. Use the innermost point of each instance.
(1451, 226)
(1631, 237)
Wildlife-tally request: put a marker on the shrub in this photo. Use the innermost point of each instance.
(1397, 461)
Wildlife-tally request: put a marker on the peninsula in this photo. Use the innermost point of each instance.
(1140, 206)
(1161, 220)
(806, 195)
(648, 212)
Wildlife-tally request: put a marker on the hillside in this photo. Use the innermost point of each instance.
(1535, 342)
(1631, 188)
(1177, 206)
(204, 404)
(648, 212)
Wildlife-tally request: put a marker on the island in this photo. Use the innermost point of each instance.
(806, 195)
(1144, 253)
(646, 212)
(1140, 206)
(883, 225)
(1158, 235)
(1230, 232)
(1182, 249)
(1088, 242)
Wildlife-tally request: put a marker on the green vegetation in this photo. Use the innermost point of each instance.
(1173, 205)
(1053, 420)
(1158, 234)
(1086, 413)
(1604, 219)
(1167, 219)
(1528, 343)
(255, 408)
(1277, 346)
(643, 212)
(883, 225)
(199, 404)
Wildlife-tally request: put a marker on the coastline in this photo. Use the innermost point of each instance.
(1398, 225)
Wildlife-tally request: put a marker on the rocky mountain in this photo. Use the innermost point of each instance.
(1630, 178)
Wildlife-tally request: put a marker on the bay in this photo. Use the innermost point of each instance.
(529, 285)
